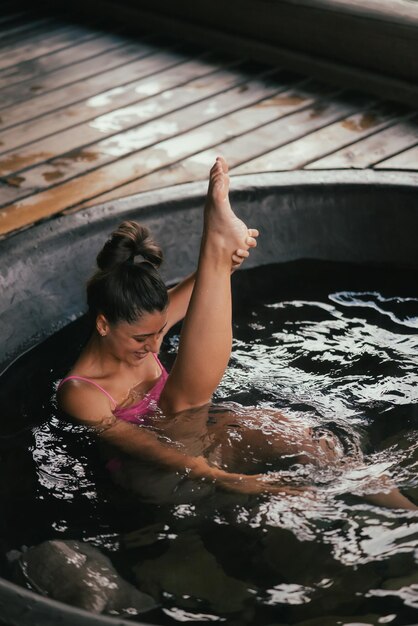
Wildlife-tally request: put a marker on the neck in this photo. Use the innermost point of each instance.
(103, 360)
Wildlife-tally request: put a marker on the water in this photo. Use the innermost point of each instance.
(331, 346)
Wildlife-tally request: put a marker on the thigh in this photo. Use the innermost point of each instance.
(256, 440)
(251, 440)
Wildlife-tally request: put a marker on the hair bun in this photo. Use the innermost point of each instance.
(128, 241)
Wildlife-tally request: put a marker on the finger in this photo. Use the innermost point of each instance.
(253, 232)
(251, 242)
(242, 253)
(302, 492)
(284, 491)
(236, 260)
(222, 161)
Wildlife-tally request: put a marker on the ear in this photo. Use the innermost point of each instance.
(102, 325)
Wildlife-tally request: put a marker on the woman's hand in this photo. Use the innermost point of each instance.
(241, 254)
(254, 484)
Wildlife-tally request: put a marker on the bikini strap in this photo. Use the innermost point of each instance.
(91, 382)
(163, 370)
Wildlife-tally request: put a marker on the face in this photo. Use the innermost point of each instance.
(131, 342)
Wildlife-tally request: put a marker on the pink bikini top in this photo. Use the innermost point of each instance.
(138, 411)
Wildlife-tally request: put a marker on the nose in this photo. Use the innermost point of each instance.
(152, 344)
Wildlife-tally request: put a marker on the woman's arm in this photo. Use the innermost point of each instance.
(81, 402)
(144, 445)
(178, 300)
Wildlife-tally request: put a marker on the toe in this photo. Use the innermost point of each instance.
(223, 163)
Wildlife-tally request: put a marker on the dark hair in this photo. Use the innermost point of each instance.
(124, 287)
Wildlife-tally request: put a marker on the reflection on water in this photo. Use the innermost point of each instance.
(330, 347)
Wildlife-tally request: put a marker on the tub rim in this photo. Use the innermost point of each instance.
(149, 204)
(148, 201)
(239, 183)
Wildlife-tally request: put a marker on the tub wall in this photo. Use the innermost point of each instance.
(361, 217)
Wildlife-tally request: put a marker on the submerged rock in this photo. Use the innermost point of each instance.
(333, 620)
(191, 575)
(79, 574)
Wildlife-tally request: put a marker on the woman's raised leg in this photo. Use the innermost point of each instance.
(206, 337)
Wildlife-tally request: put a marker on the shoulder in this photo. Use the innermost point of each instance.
(83, 401)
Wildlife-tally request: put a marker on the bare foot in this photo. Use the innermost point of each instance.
(222, 227)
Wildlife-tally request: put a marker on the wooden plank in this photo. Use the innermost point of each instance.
(315, 51)
(115, 174)
(372, 9)
(372, 149)
(120, 145)
(299, 153)
(41, 44)
(149, 62)
(22, 29)
(294, 123)
(98, 181)
(29, 70)
(198, 80)
(18, 33)
(8, 18)
(162, 76)
(112, 58)
(407, 160)
(7, 190)
(30, 26)
(250, 14)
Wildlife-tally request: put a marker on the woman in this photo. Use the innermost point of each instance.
(118, 381)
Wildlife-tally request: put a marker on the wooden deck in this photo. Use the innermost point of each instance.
(90, 115)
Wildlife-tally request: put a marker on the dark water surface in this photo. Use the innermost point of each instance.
(331, 345)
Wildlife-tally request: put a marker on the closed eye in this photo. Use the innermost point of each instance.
(142, 338)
